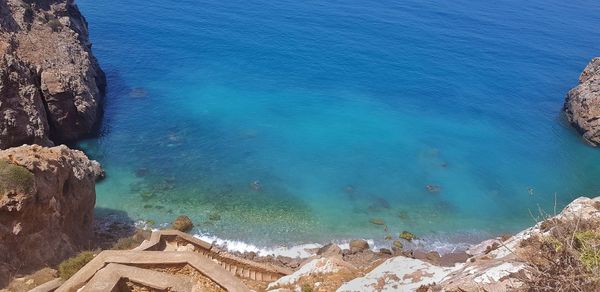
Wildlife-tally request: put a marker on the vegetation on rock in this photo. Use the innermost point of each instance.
(566, 257)
(14, 178)
(133, 241)
(69, 267)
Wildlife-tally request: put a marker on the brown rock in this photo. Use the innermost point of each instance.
(329, 250)
(582, 104)
(47, 197)
(397, 248)
(50, 83)
(22, 114)
(182, 223)
(358, 245)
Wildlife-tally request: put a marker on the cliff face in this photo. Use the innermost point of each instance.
(47, 196)
(51, 85)
(582, 105)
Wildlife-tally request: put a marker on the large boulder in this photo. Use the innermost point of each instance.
(50, 83)
(358, 245)
(182, 223)
(320, 274)
(582, 105)
(398, 274)
(47, 197)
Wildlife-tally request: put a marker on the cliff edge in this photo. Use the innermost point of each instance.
(582, 104)
(47, 197)
(51, 85)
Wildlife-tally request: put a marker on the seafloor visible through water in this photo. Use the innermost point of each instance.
(289, 122)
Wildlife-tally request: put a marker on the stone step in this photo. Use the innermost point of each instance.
(109, 278)
(200, 263)
(240, 267)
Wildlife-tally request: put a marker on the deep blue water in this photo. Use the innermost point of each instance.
(300, 121)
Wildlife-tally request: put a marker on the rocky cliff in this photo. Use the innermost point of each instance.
(582, 105)
(51, 85)
(47, 197)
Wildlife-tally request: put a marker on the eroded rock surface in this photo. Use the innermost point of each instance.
(398, 274)
(51, 85)
(582, 105)
(47, 197)
(500, 264)
(319, 274)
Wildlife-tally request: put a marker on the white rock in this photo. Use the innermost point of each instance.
(315, 266)
(398, 274)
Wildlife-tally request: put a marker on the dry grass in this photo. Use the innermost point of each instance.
(566, 258)
(14, 178)
(133, 241)
(69, 267)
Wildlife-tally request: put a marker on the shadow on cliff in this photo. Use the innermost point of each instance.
(116, 88)
(109, 226)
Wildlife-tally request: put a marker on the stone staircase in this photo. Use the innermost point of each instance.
(170, 261)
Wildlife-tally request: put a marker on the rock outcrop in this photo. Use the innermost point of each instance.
(47, 197)
(500, 264)
(582, 105)
(51, 86)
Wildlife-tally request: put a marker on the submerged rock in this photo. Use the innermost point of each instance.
(377, 221)
(182, 223)
(379, 204)
(582, 104)
(213, 216)
(433, 188)
(138, 92)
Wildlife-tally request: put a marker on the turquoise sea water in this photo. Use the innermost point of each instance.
(288, 122)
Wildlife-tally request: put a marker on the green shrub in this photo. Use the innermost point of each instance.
(54, 24)
(70, 266)
(14, 178)
(588, 243)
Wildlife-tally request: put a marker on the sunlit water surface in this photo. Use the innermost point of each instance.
(289, 122)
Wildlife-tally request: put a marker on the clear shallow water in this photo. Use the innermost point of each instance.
(343, 112)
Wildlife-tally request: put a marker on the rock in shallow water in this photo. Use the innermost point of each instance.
(182, 223)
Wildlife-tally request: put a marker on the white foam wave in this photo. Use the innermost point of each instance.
(300, 251)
